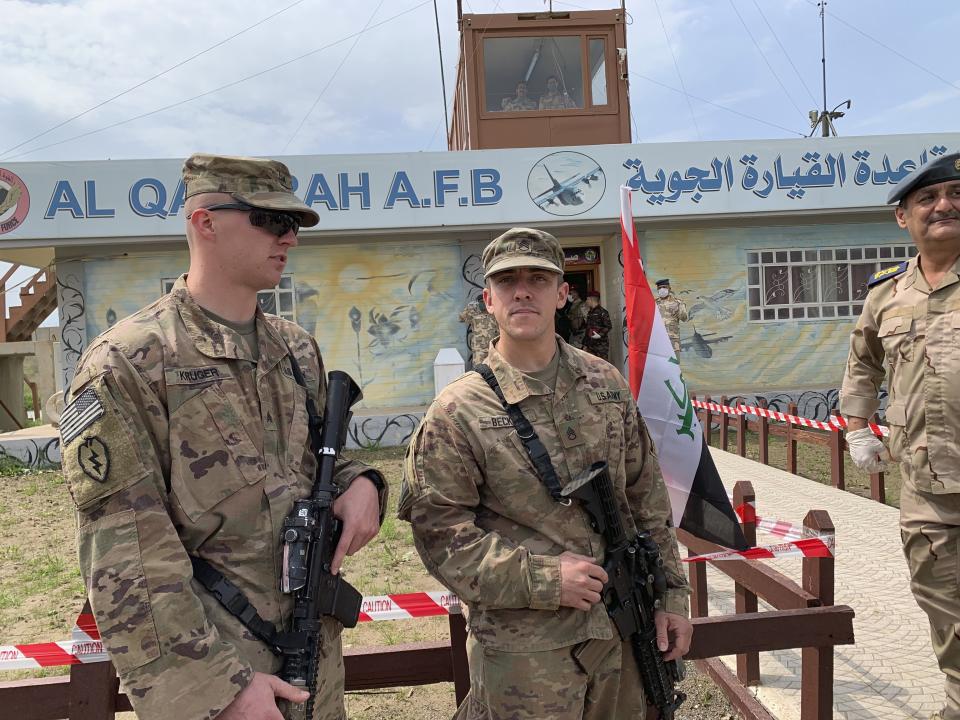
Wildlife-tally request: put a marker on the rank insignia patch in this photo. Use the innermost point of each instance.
(94, 459)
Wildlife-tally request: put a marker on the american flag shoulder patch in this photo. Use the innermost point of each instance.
(80, 414)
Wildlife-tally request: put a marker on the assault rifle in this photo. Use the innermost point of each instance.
(310, 536)
(634, 588)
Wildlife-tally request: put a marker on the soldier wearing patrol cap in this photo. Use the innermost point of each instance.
(528, 567)
(596, 340)
(185, 439)
(909, 331)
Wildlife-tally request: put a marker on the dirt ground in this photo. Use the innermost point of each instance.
(41, 592)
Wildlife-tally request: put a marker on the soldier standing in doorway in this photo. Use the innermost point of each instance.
(483, 328)
(596, 340)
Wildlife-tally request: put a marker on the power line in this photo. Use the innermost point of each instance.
(785, 54)
(151, 78)
(717, 105)
(331, 78)
(894, 51)
(677, 67)
(764, 56)
(228, 85)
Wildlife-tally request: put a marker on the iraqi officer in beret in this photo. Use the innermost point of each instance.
(185, 444)
(486, 525)
(673, 310)
(909, 334)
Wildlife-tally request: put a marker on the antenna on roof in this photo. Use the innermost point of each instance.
(825, 118)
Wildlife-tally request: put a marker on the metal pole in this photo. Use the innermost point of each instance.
(443, 80)
(824, 119)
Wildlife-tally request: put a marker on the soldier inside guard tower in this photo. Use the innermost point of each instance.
(909, 333)
(485, 524)
(186, 436)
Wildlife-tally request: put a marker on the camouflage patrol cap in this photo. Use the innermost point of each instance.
(258, 182)
(942, 169)
(523, 247)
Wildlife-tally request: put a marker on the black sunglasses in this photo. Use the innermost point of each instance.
(277, 222)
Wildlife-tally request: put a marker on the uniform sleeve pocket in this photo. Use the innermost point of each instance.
(110, 551)
(99, 453)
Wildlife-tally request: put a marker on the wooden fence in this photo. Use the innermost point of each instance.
(805, 617)
(764, 427)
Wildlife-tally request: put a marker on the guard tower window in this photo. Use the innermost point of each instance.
(598, 72)
(535, 73)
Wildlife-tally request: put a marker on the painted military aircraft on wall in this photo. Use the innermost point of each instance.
(569, 191)
(701, 345)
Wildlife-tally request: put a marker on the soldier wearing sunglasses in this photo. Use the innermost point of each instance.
(186, 437)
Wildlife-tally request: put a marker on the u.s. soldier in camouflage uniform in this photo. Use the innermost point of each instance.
(673, 311)
(909, 330)
(483, 329)
(596, 336)
(186, 435)
(540, 642)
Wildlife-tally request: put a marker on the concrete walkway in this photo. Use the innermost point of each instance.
(890, 672)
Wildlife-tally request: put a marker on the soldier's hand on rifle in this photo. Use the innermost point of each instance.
(674, 633)
(581, 581)
(257, 701)
(359, 510)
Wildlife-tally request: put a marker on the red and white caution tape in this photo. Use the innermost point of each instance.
(86, 646)
(408, 605)
(747, 513)
(835, 424)
(821, 546)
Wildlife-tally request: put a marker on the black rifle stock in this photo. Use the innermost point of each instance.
(310, 536)
(636, 583)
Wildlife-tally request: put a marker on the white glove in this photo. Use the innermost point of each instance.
(595, 335)
(866, 450)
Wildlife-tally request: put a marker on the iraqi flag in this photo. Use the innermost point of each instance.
(699, 500)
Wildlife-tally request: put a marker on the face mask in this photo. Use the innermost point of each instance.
(663, 292)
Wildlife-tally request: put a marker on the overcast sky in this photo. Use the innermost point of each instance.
(380, 91)
(318, 77)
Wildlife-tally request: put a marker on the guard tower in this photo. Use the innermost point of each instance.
(541, 79)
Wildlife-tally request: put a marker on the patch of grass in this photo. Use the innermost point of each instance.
(10, 465)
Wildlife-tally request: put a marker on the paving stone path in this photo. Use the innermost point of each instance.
(890, 672)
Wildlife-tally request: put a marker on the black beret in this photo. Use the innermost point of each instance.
(942, 169)
(663, 282)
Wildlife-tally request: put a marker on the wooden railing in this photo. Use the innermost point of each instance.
(793, 435)
(804, 618)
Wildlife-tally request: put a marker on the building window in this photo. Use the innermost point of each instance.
(281, 300)
(814, 284)
(523, 74)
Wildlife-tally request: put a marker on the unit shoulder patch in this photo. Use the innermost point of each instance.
(887, 273)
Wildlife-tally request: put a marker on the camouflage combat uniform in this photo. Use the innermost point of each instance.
(516, 104)
(556, 101)
(488, 529)
(598, 321)
(195, 449)
(910, 332)
(673, 311)
(578, 322)
(483, 329)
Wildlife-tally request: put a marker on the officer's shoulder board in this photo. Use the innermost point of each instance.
(887, 273)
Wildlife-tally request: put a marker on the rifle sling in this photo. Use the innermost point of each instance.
(535, 448)
(233, 598)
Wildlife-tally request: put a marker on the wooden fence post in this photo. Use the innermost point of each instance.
(458, 656)
(878, 489)
(742, 434)
(748, 664)
(697, 576)
(724, 425)
(93, 688)
(816, 673)
(764, 438)
(837, 447)
(791, 441)
(708, 423)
